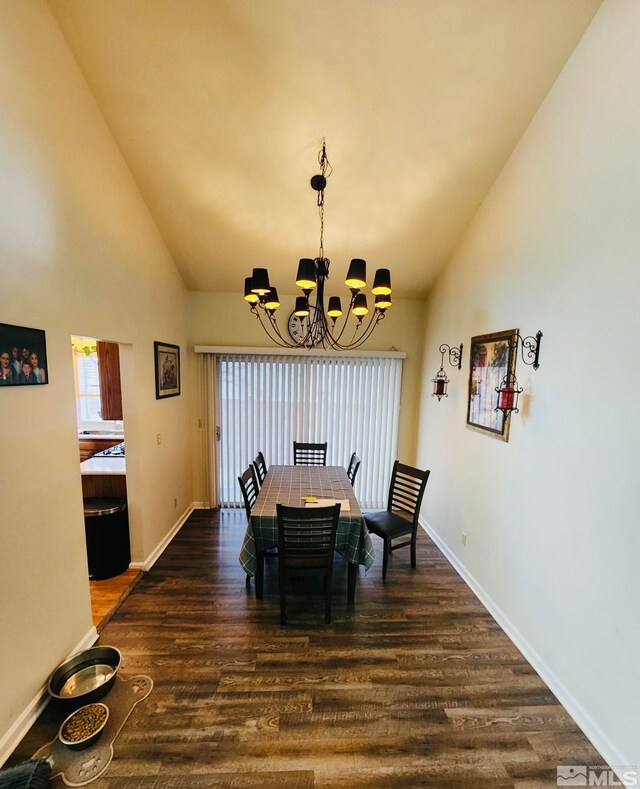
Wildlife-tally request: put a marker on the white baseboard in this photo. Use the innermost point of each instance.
(591, 729)
(29, 715)
(156, 553)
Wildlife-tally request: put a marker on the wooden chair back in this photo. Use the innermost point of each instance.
(260, 467)
(249, 490)
(352, 470)
(406, 490)
(306, 543)
(309, 454)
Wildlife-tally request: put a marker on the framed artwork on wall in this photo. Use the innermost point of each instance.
(23, 356)
(491, 358)
(167, 358)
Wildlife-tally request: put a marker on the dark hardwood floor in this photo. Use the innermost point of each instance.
(413, 685)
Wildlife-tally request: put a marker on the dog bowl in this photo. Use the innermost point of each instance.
(86, 676)
(83, 727)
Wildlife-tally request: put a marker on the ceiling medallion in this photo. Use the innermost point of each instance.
(314, 323)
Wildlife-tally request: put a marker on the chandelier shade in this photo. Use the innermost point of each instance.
(249, 295)
(306, 278)
(260, 281)
(335, 307)
(357, 274)
(272, 302)
(383, 302)
(302, 307)
(360, 305)
(311, 324)
(382, 282)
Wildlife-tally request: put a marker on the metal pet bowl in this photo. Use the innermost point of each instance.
(82, 735)
(86, 676)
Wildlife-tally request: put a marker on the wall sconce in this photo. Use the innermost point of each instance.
(441, 381)
(509, 390)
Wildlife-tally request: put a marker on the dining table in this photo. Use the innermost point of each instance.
(289, 485)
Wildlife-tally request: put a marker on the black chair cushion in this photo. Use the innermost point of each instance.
(387, 524)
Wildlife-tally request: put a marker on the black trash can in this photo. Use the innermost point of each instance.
(106, 525)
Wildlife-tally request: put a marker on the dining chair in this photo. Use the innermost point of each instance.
(260, 465)
(352, 470)
(249, 490)
(306, 542)
(309, 454)
(401, 516)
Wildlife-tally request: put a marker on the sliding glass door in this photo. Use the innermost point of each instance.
(265, 403)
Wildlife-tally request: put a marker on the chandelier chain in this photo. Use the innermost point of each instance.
(325, 172)
(321, 212)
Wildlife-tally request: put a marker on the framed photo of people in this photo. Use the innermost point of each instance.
(491, 358)
(167, 359)
(23, 356)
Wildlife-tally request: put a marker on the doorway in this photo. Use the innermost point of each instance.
(102, 466)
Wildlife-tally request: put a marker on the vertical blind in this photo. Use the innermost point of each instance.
(265, 403)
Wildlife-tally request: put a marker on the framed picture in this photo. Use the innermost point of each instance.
(23, 356)
(167, 370)
(491, 358)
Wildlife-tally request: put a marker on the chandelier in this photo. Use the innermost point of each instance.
(312, 323)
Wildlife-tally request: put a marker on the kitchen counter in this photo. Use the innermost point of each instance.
(104, 466)
(99, 436)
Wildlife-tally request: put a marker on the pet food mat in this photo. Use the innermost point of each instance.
(77, 768)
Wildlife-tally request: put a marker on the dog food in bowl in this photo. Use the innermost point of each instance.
(83, 727)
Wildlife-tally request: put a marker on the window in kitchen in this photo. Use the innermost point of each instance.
(87, 380)
(90, 404)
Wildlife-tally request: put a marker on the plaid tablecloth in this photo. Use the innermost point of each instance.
(287, 485)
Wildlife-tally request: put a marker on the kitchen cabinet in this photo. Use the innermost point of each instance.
(104, 477)
(109, 373)
(104, 486)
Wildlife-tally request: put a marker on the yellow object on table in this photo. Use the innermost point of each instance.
(345, 506)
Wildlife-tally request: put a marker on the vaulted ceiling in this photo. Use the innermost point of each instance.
(220, 107)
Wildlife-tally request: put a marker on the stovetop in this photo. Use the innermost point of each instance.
(116, 451)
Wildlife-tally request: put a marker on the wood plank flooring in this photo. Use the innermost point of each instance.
(107, 595)
(413, 685)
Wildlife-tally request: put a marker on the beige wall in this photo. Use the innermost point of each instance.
(79, 254)
(224, 319)
(552, 516)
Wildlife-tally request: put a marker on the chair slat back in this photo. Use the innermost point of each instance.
(307, 536)
(354, 465)
(309, 454)
(249, 489)
(260, 467)
(407, 489)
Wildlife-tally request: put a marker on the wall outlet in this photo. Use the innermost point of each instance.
(464, 538)
(158, 438)
(175, 503)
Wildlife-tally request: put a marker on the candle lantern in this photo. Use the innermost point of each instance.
(508, 394)
(509, 390)
(440, 382)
